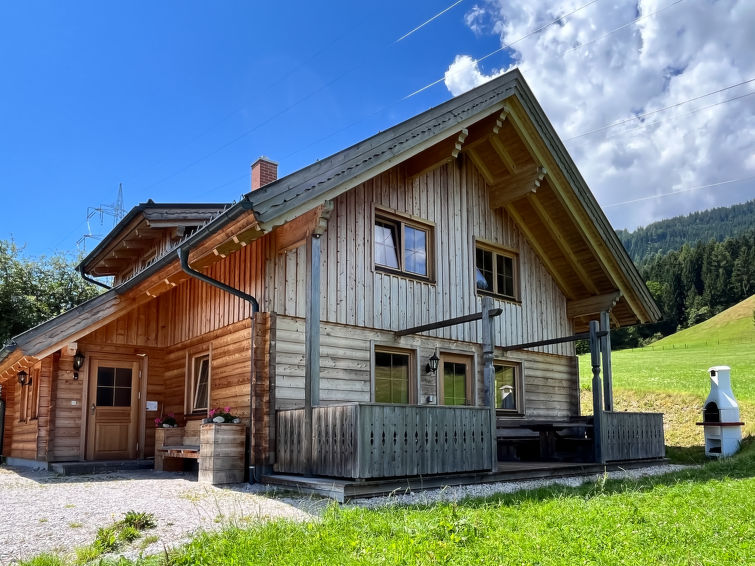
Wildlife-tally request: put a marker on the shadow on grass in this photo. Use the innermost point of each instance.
(686, 455)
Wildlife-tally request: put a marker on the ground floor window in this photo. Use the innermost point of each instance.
(393, 383)
(507, 387)
(455, 379)
(200, 383)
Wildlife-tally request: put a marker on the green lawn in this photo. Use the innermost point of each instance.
(699, 516)
(680, 362)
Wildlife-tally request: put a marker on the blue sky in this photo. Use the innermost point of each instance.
(176, 99)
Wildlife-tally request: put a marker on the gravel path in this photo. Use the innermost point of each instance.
(43, 512)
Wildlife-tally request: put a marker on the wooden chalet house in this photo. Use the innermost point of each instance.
(302, 307)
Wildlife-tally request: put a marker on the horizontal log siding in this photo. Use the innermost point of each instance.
(46, 367)
(456, 201)
(67, 417)
(551, 382)
(20, 437)
(230, 368)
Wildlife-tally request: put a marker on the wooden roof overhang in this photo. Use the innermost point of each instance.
(138, 231)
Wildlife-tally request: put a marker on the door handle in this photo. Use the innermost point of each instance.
(93, 407)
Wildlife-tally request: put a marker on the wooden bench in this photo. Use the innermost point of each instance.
(176, 444)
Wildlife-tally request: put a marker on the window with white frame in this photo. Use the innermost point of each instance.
(403, 245)
(199, 384)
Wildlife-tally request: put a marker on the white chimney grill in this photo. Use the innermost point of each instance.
(723, 430)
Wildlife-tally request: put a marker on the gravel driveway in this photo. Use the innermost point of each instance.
(43, 512)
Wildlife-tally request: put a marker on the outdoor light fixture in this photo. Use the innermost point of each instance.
(22, 376)
(432, 364)
(78, 361)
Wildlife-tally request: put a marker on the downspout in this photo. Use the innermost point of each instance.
(183, 256)
(88, 279)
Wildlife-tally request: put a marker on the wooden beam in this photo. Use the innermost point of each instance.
(435, 156)
(524, 227)
(524, 182)
(448, 322)
(575, 205)
(597, 401)
(605, 350)
(560, 238)
(488, 351)
(592, 305)
(501, 117)
(480, 164)
(311, 343)
(503, 153)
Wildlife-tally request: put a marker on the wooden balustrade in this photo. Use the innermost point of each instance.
(632, 436)
(370, 440)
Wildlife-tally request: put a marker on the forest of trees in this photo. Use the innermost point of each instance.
(671, 234)
(694, 283)
(33, 290)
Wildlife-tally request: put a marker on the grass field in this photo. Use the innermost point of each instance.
(671, 375)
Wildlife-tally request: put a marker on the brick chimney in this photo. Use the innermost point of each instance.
(264, 171)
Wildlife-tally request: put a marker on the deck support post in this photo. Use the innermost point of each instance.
(605, 350)
(488, 345)
(311, 343)
(597, 396)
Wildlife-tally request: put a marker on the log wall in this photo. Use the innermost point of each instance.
(551, 384)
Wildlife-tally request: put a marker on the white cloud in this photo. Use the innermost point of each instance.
(686, 50)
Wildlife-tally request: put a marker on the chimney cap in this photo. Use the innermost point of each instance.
(266, 159)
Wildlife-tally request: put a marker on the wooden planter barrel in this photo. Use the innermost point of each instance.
(221, 453)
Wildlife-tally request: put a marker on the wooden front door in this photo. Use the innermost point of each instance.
(455, 380)
(112, 425)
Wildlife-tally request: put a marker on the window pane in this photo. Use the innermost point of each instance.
(385, 244)
(454, 383)
(123, 377)
(484, 271)
(391, 377)
(505, 387)
(105, 396)
(201, 382)
(415, 250)
(122, 396)
(105, 377)
(505, 272)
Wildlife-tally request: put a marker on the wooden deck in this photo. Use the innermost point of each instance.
(343, 490)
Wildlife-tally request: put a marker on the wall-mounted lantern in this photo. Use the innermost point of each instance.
(23, 378)
(78, 361)
(432, 364)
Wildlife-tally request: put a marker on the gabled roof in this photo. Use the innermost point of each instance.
(562, 220)
(139, 229)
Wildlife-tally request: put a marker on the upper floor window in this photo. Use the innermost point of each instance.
(403, 245)
(496, 272)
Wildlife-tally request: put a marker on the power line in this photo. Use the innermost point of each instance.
(690, 189)
(676, 105)
(428, 21)
(508, 45)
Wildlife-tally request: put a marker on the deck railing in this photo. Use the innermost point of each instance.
(370, 440)
(632, 436)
